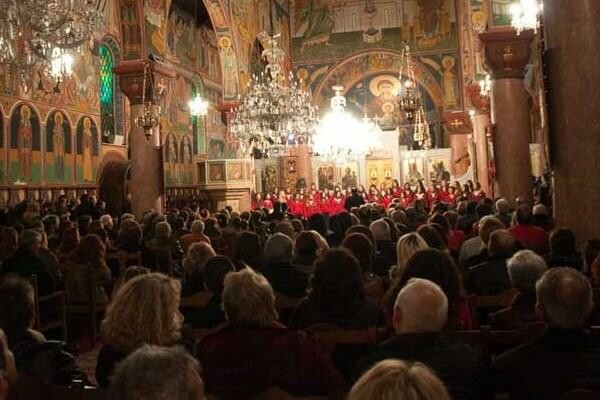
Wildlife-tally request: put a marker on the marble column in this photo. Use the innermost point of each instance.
(458, 127)
(304, 163)
(480, 120)
(572, 34)
(147, 178)
(506, 54)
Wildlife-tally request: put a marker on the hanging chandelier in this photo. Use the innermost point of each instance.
(150, 116)
(275, 113)
(525, 15)
(31, 31)
(198, 106)
(410, 103)
(340, 136)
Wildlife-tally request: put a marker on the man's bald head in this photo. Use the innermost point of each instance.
(421, 306)
(564, 297)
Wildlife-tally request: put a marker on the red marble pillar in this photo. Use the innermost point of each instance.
(458, 126)
(506, 54)
(147, 181)
(480, 120)
(572, 33)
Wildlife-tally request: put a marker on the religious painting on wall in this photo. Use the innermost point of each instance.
(130, 30)
(413, 170)
(349, 175)
(25, 145)
(326, 176)
(171, 158)
(229, 67)
(501, 15)
(2, 155)
(216, 172)
(88, 143)
(59, 160)
(216, 149)
(438, 169)
(235, 171)
(269, 178)
(202, 173)
(324, 29)
(289, 168)
(187, 167)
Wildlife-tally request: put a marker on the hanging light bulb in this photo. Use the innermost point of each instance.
(198, 106)
(61, 64)
(525, 15)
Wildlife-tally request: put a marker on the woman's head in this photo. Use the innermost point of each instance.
(248, 299)
(145, 310)
(309, 245)
(398, 379)
(90, 250)
(17, 307)
(69, 240)
(362, 248)
(247, 249)
(407, 245)
(337, 284)
(215, 271)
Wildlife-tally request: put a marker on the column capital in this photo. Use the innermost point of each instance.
(131, 79)
(457, 123)
(506, 53)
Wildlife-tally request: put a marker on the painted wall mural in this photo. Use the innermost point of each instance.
(2, 170)
(186, 168)
(25, 145)
(59, 149)
(88, 146)
(171, 157)
(131, 31)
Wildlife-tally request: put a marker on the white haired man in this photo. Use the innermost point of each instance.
(419, 317)
(562, 358)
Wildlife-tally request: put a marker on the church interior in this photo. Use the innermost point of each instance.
(211, 128)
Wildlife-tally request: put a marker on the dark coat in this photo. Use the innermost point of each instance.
(458, 365)
(26, 263)
(489, 278)
(285, 278)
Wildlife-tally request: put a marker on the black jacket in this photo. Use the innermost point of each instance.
(458, 365)
(285, 278)
(489, 278)
(354, 200)
(558, 361)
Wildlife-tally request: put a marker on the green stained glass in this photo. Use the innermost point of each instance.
(107, 90)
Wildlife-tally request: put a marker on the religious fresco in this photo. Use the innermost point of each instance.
(438, 169)
(130, 29)
(87, 156)
(216, 172)
(59, 150)
(349, 174)
(2, 154)
(25, 145)
(235, 171)
(186, 168)
(216, 149)
(501, 13)
(171, 158)
(326, 176)
(329, 30)
(155, 12)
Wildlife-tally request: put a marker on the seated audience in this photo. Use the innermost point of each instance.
(419, 318)
(145, 310)
(157, 373)
(503, 212)
(337, 295)
(198, 255)
(211, 314)
(307, 248)
(163, 248)
(439, 268)
(397, 379)
(524, 269)
(563, 250)
(69, 241)
(27, 262)
(89, 255)
(491, 277)
(130, 273)
(474, 250)
(529, 236)
(8, 368)
(247, 251)
(195, 236)
(361, 247)
(432, 237)
(562, 358)
(130, 236)
(283, 276)
(9, 243)
(254, 352)
(385, 256)
(407, 245)
(46, 362)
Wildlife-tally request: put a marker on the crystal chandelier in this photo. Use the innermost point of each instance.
(525, 15)
(340, 135)
(275, 113)
(32, 30)
(408, 100)
(150, 116)
(421, 131)
(61, 65)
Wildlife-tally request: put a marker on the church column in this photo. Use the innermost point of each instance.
(147, 181)
(572, 35)
(304, 167)
(458, 128)
(480, 120)
(506, 55)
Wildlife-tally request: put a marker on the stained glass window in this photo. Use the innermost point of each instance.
(107, 102)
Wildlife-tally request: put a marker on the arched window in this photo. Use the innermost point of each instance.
(107, 93)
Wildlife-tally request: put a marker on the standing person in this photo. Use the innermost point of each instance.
(354, 200)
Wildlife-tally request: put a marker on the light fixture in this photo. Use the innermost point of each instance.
(525, 14)
(340, 135)
(198, 106)
(408, 100)
(61, 64)
(150, 116)
(485, 86)
(275, 113)
(31, 30)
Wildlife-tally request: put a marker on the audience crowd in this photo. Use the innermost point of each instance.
(236, 304)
